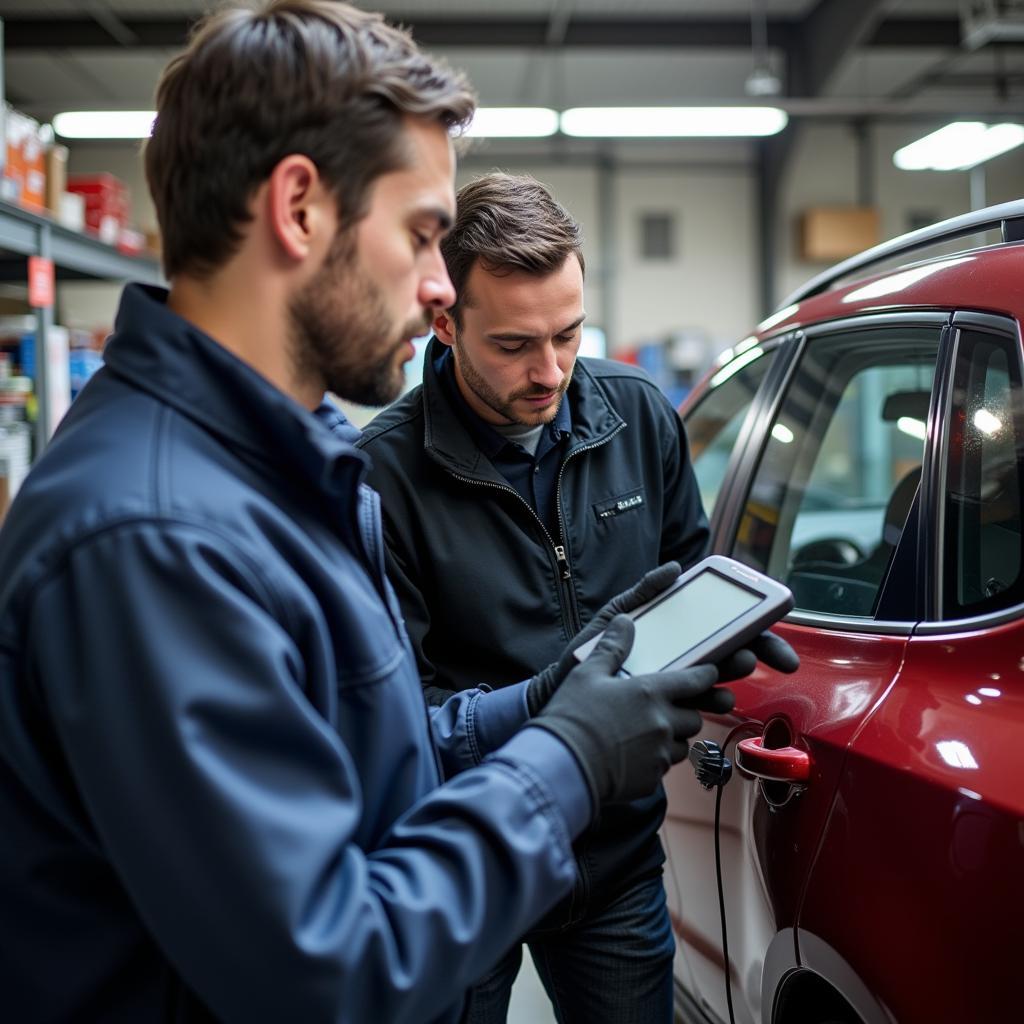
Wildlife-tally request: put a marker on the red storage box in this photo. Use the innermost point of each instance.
(106, 203)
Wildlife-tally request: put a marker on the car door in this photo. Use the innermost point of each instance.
(926, 837)
(819, 497)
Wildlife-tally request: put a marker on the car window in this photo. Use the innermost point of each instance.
(841, 467)
(713, 426)
(982, 530)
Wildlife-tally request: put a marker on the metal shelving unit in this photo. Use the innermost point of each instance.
(75, 256)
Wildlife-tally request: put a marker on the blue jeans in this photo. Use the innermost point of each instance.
(613, 966)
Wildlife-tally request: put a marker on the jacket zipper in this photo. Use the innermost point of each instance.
(570, 616)
(560, 552)
(560, 560)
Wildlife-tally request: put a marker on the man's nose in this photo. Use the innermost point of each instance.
(546, 371)
(436, 288)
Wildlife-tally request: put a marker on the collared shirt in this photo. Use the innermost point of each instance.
(534, 476)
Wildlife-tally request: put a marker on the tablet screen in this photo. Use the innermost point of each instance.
(694, 612)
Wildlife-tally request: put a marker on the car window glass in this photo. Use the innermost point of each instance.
(982, 530)
(841, 468)
(713, 426)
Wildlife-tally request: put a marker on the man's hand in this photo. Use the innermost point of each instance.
(543, 685)
(627, 731)
(768, 648)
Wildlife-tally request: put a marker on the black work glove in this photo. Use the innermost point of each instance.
(769, 648)
(627, 731)
(540, 688)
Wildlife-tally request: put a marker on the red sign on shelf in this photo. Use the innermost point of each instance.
(40, 282)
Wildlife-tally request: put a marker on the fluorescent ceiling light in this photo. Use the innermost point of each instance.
(513, 123)
(959, 146)
(672, 122)
(104, 124)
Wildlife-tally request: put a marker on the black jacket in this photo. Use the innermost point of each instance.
(490, 595)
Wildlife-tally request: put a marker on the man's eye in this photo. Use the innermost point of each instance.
(420, 240)
(509, 346)
(565, 339)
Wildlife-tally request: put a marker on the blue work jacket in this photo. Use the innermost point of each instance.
(219, 784)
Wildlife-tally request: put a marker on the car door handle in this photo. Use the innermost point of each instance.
(782, 764)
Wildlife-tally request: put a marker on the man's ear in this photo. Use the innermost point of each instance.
(444, 327)
(301, 212)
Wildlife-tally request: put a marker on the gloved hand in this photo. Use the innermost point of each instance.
(540, 688)
(627, 731)
(769, 648)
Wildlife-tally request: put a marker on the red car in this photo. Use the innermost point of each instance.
(866, 447)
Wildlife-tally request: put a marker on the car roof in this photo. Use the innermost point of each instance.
(988, 277)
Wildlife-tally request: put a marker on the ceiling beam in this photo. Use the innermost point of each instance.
(822, 40)
(825, 39)
(34, 33)
(90, 34)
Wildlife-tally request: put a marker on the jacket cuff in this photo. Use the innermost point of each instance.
(496, 716)
(551, 760)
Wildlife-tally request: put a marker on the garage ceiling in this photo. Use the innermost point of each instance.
(882, 58)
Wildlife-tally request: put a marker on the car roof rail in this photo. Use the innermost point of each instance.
(1008, 217)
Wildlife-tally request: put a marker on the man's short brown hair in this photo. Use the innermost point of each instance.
(315, 77)
(507, 222)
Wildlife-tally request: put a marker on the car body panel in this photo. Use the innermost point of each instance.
(987, 280)
(895, 877)
(767, 852)
(930, 819)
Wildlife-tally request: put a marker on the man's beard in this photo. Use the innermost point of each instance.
(336, 331)
(506, 406)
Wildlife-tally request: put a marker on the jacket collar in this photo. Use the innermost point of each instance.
(170, 358)
(484, 435)
(446, 439)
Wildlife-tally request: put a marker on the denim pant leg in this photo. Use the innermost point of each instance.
(615, 965)
(487, 1001)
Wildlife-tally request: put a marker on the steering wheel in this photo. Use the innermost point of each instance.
(836, 550)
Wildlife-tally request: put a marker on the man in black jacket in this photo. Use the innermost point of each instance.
(521, 489)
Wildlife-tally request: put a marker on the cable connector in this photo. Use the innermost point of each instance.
(711, 766)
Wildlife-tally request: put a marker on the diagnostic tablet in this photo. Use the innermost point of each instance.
(713, 609)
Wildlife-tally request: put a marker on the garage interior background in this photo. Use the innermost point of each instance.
(689, 241)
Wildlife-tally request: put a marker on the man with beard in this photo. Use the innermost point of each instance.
(220, 794)
(521, 489)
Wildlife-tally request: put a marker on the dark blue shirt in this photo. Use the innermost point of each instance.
(534, 477)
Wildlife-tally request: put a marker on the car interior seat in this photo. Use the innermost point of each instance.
(850, 586)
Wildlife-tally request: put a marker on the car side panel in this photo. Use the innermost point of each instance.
(767, 852)
(920, 880)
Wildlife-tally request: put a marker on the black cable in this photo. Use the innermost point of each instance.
(721, 901)
(713, 770)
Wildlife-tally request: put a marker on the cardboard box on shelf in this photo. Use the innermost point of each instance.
(56, 177)
(25, 169)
